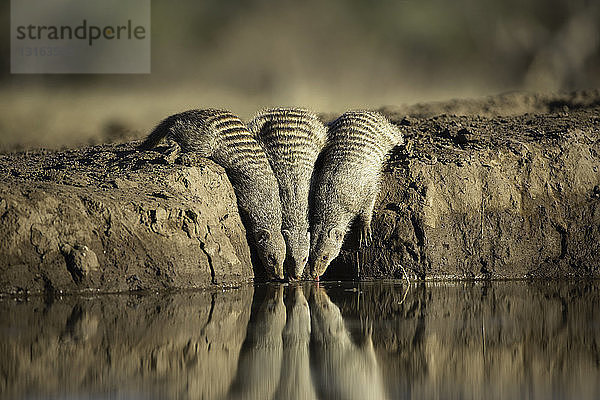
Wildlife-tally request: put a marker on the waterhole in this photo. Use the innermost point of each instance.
(336, 340)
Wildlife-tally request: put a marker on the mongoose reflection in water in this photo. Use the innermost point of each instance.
(260, 361)
(296, 381)
(292, 139)
(347, 181)
(342, 368)
(225, 139)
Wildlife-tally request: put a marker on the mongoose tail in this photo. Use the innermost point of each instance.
(192, 130)
(158, 133)
(224, 138)
(347, 183)
(292, 139)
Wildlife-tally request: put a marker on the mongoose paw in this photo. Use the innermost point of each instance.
(366, 235)
(172, 152)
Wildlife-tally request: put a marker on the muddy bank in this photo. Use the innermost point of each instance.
(507, 188)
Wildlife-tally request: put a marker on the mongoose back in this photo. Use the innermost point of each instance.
(224, 138)
(292, 139)
(347, 181)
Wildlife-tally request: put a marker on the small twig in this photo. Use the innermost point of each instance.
(407, 281)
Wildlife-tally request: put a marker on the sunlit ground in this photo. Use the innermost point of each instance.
(55, 117)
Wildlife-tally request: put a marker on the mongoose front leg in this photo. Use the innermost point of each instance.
(364, 219)
(365, 232)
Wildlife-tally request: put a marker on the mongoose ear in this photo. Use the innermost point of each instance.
(286, 234)
(335, 234)
(263, 235)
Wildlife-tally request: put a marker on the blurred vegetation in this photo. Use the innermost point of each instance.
(335, 54)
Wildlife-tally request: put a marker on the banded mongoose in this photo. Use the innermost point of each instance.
(224, 138)
(292, 139)
(347, 181)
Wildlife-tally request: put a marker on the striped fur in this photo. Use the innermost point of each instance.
(292, 139)
(224, 138)
(347, 182)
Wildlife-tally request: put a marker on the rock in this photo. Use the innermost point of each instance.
(170, 226)
(80, 260)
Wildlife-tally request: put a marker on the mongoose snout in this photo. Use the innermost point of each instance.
(271, 250)
(298, 247)
(326, 246)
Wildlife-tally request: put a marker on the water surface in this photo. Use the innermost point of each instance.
(337, 340)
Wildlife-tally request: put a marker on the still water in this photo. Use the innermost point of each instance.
(378, 340)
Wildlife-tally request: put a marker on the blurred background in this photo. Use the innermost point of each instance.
(326, 55)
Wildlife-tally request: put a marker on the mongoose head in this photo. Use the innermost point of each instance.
(298, 247)
(326, 244)
(271, 251)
